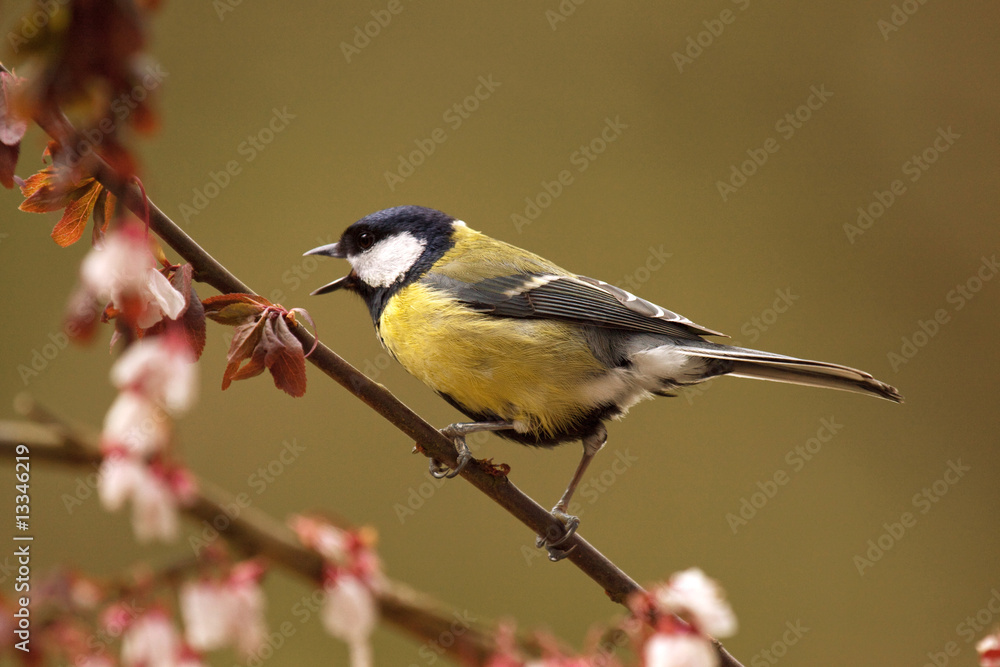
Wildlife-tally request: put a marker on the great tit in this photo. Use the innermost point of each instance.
(531, 351)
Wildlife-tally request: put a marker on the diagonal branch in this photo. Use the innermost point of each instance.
(615, 582)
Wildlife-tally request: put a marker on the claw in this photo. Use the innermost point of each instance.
(551, 544)
(439, 470)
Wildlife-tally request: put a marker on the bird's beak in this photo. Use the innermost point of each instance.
(337, 284)
(331, 250)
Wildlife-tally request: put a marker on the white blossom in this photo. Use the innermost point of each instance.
(151, 641)
(679, 650)
(350, 614)
(123, 271)
(161, 368)
(699, 600)
(118, 479)
(219, 613)
(136, 425)
(154, 510)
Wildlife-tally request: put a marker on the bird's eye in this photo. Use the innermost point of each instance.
(366, 240)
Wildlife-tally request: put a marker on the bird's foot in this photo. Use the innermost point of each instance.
(439, 470)
(554, 537)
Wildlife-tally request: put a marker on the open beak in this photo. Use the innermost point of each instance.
(337, 284)
(331, 250)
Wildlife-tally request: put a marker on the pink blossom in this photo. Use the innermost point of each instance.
(123, 271)
(350, 614)
(330, 542)
(151, 641)
(699, 600)
(161, 368)
(679, 650)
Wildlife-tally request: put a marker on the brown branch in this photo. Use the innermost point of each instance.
(615, 582)
(254, 533)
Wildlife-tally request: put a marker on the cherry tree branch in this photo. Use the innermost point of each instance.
(252, 531)
(612, 579)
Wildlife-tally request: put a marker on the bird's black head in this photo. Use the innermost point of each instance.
(388, 250)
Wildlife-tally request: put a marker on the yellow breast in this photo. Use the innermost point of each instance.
(505, 366)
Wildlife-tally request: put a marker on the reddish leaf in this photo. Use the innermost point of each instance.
(70, 227)
(246, 338)
(285, 358)
(233, 309)
(193, 317)
(8, 163)
(110, 206)
(51, 190)
(262, 340)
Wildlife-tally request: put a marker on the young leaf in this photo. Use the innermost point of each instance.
(8, 163)
(49, 190)
(70, 227)
(285, 358)
(246, 340)
(233, 309)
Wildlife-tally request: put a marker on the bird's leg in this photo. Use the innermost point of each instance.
(457, 433)
(591, 445)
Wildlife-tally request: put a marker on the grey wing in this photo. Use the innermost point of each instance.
(569, 298)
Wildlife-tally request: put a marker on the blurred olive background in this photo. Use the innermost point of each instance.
(645, 212)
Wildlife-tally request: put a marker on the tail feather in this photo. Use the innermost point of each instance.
(780, 368)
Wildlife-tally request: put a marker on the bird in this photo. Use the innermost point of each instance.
(530, 351)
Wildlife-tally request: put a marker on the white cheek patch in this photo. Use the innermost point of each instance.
(388, 260)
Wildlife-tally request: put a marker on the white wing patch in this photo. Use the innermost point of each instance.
(534, 283)
(388, 260)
